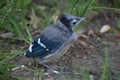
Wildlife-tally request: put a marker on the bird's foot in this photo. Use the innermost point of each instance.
(49, 69)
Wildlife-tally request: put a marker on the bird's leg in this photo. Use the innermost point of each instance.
(49, 68)
(66, 68)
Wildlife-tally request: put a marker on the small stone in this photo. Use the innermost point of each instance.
(105, 29)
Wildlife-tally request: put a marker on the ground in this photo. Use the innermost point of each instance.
(89, 52)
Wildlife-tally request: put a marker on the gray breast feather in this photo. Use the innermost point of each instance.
(54, 57)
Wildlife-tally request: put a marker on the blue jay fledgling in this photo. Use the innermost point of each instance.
(55, 40)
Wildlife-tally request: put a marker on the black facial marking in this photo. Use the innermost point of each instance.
(65, 21)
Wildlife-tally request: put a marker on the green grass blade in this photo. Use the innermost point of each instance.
(29, 38)
(106, 72)
(86, 8)
(106, 8)
(11, 56)
(8, 28)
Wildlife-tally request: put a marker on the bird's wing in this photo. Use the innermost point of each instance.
(42, 47)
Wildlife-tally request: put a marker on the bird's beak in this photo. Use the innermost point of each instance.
(81, 19)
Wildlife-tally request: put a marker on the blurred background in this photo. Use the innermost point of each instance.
(94, 56)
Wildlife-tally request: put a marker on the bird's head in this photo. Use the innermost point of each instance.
(70, 21)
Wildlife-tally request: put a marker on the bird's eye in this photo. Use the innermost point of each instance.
(74, 21)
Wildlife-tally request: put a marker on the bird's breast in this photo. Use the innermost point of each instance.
(54, 57)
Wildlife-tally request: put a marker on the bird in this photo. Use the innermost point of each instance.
(55, 40)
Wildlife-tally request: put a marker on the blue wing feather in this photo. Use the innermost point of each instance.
(40, 51)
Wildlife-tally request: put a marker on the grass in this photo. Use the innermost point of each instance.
(106, 72)
(12, 19)
(6, 65)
